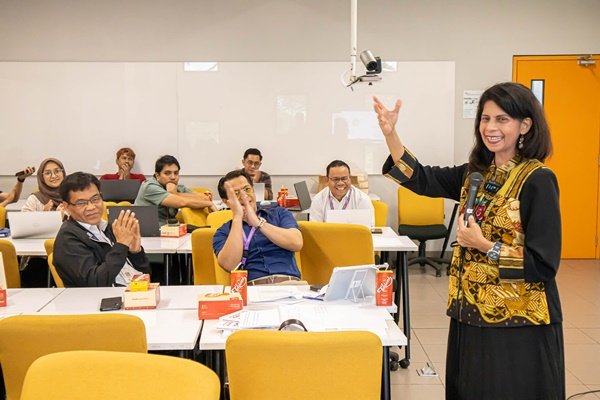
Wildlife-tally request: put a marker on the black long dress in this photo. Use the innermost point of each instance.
(501, 347)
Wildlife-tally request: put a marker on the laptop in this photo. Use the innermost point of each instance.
(259, 191)
(120, 190)
(147, 215)
(359, 217)
(351, 283)
(34, 224)
(303, 197)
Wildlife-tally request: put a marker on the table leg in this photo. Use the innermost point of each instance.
(405, 308)
(386, 392)
(167, 262)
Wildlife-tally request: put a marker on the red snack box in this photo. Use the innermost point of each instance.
(215, 305)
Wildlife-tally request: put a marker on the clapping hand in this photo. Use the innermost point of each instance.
(127, 231)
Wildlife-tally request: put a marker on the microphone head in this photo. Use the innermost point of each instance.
(475, 179)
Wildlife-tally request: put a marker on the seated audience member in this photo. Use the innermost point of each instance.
(125, 160)
(13, 196)
(252, 162)
(339, 194)
(263, 241)
(90, 252)
(47, 198)
(164, 191)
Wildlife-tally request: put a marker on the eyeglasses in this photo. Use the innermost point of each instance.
(95, 201)
(344, 179)
(248, 189)
(49, 172)
(253, 163)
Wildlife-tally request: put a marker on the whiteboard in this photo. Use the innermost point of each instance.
(297, 113)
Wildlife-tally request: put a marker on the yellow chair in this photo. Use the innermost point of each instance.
(218, 218)
(304, 365)
(329, 245)
(2, 217)
(49, 246)
(203, 257)
(381, 211)
(194, 216)
(25, 338)
(201, 190)
(95, 375)
(422, 218)
(110, 204)
(11, 264)
(222, 276)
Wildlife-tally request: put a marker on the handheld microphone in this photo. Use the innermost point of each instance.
(475, 179)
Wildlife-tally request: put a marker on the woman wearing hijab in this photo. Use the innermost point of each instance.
(50, 175)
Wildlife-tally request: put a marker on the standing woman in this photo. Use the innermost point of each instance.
(505, 339)
(50, 175)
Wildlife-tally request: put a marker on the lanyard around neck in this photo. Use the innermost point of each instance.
(247, 240)
(346, 202)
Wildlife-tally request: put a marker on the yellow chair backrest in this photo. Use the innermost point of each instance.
(110, 204)
(330, 245)
(304, 365)
(49, 246)
(381, 211)
(203, 257)
(201, 190)
(57, 279)
(419, 210)
(194, 216)
(218, 218)
(11, 264)
(2, 217)
(222, 276)
(25, 338)
(95, 375)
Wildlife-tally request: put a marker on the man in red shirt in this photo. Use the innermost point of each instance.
(125, 160)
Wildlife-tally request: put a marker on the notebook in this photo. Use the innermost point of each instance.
(34, 224)
(351, 283)
(259, 191)
(120, 190)
(359, 217)
(303, 197)
(146, 215)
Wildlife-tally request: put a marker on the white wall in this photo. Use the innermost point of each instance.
(480, 36)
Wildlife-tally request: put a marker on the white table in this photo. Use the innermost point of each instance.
(388, 241)
(28, 301)
(328, 316)
(29, 247)
(173, 325)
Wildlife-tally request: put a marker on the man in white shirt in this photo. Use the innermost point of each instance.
(339, 194)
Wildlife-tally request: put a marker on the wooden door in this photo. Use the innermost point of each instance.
(571, 97)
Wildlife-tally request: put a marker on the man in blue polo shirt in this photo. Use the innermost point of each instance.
(262, 241)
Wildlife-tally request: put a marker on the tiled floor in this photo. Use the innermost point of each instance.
(579, 287)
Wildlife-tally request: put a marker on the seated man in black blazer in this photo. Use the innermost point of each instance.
(90, 252)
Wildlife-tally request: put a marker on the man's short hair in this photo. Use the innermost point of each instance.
(230, 176)
(337, 163)
(77, 182)
(164, 161)
(126, 150)
(254, 152)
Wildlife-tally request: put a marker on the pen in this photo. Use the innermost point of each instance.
(313, 298)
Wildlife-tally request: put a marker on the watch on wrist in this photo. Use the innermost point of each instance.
(493, 254)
